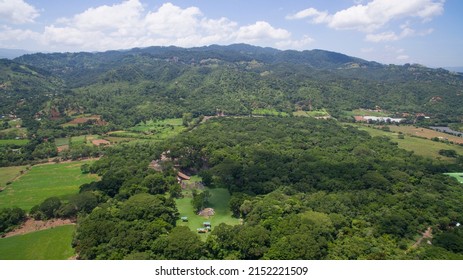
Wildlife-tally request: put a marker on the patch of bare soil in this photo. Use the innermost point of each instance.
(207, 212)
(426, 235)
(32, 225)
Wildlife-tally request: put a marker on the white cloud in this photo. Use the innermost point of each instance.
(261, 30)
(301, 44)
(402, 57)
(318, 17)
(129, 24)
(375, 14)
(17, 12)
(390, 36)
(13, 34)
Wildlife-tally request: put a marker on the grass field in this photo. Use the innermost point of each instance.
(44, 181)
(315, 113)
(61, 141)
(15, 142)
(424, 132)
(153, 129)
(218, 201)
(49, 244)
(458, 176)
(268, 112)
(7, 174)
(419, 146)
(79, 139)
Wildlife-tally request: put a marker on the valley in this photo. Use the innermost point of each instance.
(287, 154)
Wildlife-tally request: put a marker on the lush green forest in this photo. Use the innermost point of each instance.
(142, 84)
(267, 131)
(305, 189)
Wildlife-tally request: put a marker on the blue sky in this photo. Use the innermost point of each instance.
(428, 32)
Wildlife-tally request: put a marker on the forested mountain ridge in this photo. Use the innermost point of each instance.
(157, 82)
(24, 88)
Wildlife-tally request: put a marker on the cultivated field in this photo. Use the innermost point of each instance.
(218, 201)
(13, 142)
(49, 244)
(7, 174)
(153, 130)
(420, 146)
(268, 112)
(44, 181)
(426, 133)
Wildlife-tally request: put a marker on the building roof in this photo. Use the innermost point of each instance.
(183, 176)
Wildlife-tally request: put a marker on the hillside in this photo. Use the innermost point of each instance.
(231, 152)
(24, 89)
(129, 86)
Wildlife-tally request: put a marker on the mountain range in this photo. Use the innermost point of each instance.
(129, 86)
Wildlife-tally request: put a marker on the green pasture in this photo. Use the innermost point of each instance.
(81, 139)
(268, 112)
(458, 176)
(61, 141)
(7, 174)
(420, 146)
(49, 244)
(13, 142)
(154, 129)
(44, 181)
(315, 113)
(218, 201)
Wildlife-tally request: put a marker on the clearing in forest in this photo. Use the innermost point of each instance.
(49, 244)
(44, 181)
(458, 176)
(218, 201)
(420, 146)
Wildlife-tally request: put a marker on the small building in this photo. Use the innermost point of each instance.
(182, 177)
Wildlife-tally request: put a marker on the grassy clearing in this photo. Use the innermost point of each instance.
(316, 113)
(153, 129)
(7, 174)
(49, 244)
(219, 201)
(268, 112)
(420, 146)
(426, 133)
(458, 176)
(61, 141)
(13, 142)
(81, 139)
(44, 181)
(15, 132)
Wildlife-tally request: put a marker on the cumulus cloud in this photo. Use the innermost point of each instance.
(375, 14)
(129, 24)
(17, 12)
(390, 36)
(261, 30)
(317, 17)
(403, 57)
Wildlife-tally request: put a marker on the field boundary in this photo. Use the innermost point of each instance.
(31, 225)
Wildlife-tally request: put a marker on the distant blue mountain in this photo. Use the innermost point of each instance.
(12, 53)
(455, 69)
